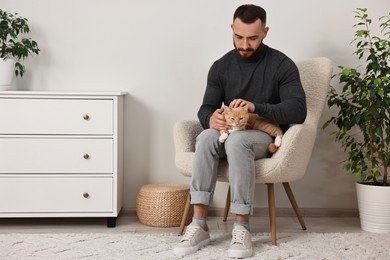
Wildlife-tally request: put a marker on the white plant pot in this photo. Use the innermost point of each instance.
(374, 207)
(7, 68)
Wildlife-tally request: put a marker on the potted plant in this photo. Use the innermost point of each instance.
(363, 120)
(13, 46)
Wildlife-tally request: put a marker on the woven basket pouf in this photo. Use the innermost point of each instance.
(162, 205)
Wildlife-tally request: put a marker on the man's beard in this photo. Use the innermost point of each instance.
(248, 52)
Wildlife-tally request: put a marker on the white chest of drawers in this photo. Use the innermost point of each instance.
(61, 154)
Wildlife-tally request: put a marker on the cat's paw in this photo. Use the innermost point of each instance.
(223, 137)
(278, 141)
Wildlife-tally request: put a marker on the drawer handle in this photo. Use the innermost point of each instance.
(86, 195)
(86, 117)
(86, 156)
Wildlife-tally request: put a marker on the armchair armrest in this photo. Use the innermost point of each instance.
(289, 163)
(184, 135)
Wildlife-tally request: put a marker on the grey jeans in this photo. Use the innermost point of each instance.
(241, 149)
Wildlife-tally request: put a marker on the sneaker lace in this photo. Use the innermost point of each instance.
(190, 231)
(238, 236)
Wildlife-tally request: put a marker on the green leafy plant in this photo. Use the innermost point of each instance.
(363, 124)
(12, 42)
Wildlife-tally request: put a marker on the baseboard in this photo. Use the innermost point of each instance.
(289, 212)
(280, 212)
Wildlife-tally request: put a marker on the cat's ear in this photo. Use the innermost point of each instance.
(226, 109)
(246, 108)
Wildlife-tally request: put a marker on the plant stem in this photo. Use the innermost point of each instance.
(371, 142)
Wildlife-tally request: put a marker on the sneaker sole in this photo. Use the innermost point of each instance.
(240, 253)
(183, 251)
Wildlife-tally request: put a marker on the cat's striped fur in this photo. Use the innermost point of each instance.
(240, 119)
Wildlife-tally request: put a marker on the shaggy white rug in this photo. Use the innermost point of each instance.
(145, 246)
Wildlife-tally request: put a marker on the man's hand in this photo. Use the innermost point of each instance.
(217, 120)
(242, 103)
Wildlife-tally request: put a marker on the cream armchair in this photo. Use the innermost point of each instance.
(289, 163)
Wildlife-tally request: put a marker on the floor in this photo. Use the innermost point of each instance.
(131, 224)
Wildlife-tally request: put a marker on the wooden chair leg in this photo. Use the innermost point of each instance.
(294, 204)
(227, 205)
(185, 216)
(272, 213)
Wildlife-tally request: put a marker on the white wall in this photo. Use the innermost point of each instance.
(160, 52)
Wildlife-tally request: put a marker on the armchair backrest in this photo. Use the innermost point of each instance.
(315, 73)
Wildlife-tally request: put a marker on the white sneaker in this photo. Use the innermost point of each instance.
(241, 245)
(194, 238)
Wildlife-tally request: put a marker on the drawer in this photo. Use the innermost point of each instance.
(56, 155)
(56, 116)
(55, 194)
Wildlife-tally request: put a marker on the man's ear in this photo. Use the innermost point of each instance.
(265, 32)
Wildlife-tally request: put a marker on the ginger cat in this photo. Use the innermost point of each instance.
(240, 119)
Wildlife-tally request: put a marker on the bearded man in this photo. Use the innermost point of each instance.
(268, 82)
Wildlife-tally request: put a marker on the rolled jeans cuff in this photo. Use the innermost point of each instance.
(201, 197)
(241, 209)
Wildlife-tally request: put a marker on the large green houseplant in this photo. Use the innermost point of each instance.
(13, 43)
(363, 104)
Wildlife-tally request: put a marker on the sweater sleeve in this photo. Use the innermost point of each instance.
(212, 98)
(292, 106)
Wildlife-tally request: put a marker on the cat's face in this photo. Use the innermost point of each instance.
(236, 118)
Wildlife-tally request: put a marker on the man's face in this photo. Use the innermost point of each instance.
(247, 38)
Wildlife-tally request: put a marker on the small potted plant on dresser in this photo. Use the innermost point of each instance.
(13, 46)
(363, 121)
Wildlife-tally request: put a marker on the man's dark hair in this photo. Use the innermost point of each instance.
(250, 13)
